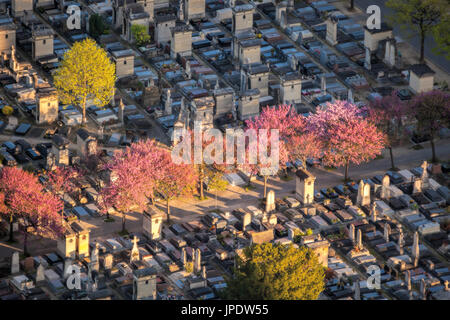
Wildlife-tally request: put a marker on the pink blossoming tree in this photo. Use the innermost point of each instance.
(347, 137)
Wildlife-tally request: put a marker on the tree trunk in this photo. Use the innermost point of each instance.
(346, 172)
(265, 186)
(352, 4)
(433, 150)
(25, 244)
(392, 158)
(124, 219)
(202, 194)
(168, 211)
(422, 46)
(11, 233)
(83, 107)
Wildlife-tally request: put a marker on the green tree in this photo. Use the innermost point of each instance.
(85, 74)
(276, 272)
(140, 34)
(97, 25)
(441, 33)
(418, 16)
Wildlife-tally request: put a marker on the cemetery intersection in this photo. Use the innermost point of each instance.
(381, 233)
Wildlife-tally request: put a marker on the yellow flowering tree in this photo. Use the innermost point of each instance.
(85, 74)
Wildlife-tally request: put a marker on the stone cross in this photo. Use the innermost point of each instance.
(40, 275)
(135, 255)
(387, 231)
(417, 186)
(415, 249)
(270, 201)
(359, 240)
(352, 232)
(15, 267)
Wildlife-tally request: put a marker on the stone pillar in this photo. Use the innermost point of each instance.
(15, 266)
(352, 233)
(332, 31)
(387, 231)
(270, 201)
(367, 62)
(415, 249)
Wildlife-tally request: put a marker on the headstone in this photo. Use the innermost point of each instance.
(385, 191)
(108, 261)
(323, 84)
(135, 256)
(94, 263)
(13, 122)
(15, 267)
(270, 201)
(40, 276)
(366, 195)
(417, 186)
(360, 192)
(291, 234)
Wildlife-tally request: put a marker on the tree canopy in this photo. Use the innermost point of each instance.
(276, 272)
(85, 74)
(418, 16)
